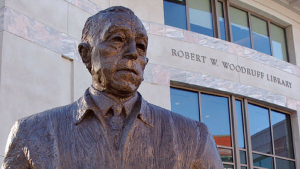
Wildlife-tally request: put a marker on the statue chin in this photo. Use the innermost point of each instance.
(122, 89)
(121, 84)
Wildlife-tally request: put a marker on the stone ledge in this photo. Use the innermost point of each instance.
(86, 5)
(221, 45)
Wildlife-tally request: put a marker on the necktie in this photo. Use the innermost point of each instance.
(116, 123)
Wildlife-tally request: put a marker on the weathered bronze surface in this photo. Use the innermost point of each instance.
(111, 126)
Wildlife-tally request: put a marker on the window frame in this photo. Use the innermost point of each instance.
(269, 22)
(229, 36)
(246, 127)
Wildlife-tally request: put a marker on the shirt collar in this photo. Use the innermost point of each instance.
(104, 102)
(87, 104)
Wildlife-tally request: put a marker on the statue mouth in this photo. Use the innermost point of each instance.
(129, 70)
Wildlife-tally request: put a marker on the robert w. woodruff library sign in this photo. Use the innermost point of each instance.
(230, 66)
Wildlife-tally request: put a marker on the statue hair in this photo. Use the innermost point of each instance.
(93, 24)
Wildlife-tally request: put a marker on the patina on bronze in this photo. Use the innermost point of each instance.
(111, 126)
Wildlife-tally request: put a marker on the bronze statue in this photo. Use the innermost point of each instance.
(111, 126)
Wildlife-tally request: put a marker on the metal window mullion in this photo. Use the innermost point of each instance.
(272, 140)
(200, 107)
(215, 17)
(285, 158)
(291, 135)
(231, 128)
(250, 157)
(286, 45)
(225, 147)
(227, 13)
(244, 119)
(187, 15)
(235, 133)
(270, 37)
(250, 26)
(228, 163)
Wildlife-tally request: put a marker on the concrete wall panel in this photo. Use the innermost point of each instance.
(156, 94)
(2, 3)
(82, 79)
(146, 10)
(76, 21)
(52, 13)
(66, 81)
(30, 81)
(296, 37)
(102, 3)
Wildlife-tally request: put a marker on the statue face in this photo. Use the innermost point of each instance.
(119, 55)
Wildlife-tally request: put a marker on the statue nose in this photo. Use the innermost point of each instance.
(131, 52)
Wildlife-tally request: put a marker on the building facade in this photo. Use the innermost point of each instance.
(232, 64)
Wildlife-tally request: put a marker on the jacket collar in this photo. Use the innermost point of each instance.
(86, 104)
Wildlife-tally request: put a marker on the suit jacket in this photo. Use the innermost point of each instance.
(73, 137)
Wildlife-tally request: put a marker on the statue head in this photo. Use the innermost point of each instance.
(113, 48)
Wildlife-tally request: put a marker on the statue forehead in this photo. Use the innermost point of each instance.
(122, 19)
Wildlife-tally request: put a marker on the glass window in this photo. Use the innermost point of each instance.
(198, 16)
(282, 134)
(215, 114)
(228, 166)
(226, 155)
(185, 103)
(284, 164)
(263, 161)
(175, 13)
(240, 127)
(240, 27)
(260, 129)
(201, 17)
(261, 40)
(278, 42)
(243, 157)
(221, 20)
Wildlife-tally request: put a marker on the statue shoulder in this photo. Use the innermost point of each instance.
(42, 119)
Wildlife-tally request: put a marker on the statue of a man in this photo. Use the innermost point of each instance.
(111, 126)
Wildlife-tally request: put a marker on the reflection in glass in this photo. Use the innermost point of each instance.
(226, 154)
(185, 103)
(240, 27)
(261, 39)
(284, 164)
(228, 166)
(215, 114)
(175, 13)
(278, 42)
(243, 157)
(260, 129)
(240, 128)
(282, 134)
(221, 20)
(201, 17)
(243, 167)
(263, 161)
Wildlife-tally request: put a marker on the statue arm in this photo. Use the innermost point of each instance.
(15, 157)
(207, 155)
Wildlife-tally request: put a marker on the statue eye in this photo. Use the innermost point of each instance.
(117, 39)
(141, 46)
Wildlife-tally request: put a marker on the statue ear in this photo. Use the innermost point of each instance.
(84, 50)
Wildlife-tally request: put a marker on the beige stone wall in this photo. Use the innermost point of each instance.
(41, 68)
